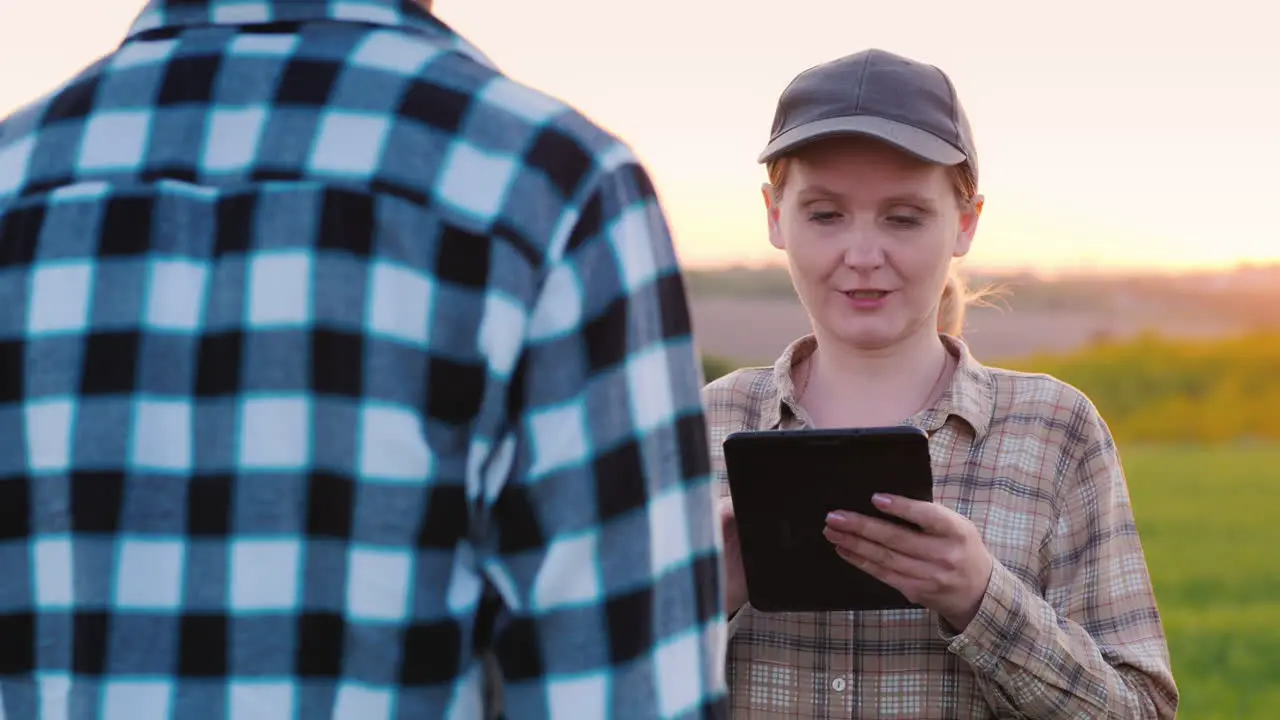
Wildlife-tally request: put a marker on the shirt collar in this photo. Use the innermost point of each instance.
(970, 396)
(401, 14)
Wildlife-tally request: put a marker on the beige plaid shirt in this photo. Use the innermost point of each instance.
(1068, 627)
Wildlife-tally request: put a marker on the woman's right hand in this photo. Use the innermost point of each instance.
(735, 578)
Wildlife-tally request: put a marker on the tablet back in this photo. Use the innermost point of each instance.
(784, 482)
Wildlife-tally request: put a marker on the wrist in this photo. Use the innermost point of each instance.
(960, 619)
(961, 616)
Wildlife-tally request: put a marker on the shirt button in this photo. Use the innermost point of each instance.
(838, 684)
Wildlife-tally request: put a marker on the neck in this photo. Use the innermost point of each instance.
(859, 387)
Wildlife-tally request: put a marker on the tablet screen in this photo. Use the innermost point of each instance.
(784, 483)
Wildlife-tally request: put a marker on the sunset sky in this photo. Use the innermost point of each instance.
(1113, 134)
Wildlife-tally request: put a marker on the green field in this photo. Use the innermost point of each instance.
(1208, 518)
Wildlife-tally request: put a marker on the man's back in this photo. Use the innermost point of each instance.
(331, 361)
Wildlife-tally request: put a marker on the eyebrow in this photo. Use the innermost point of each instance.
(817, 192)
(821, 192)
(911, 199)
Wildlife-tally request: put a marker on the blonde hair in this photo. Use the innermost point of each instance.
(957, 296)
(954, 304)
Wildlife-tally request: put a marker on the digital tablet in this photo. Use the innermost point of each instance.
(783, 484)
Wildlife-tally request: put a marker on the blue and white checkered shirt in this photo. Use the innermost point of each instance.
(333, 362)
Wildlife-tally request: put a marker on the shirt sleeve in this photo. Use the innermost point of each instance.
(608, 552)
(1095, 647)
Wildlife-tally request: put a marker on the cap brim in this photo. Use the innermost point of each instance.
(912, 140)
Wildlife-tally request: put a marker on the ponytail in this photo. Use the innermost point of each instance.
(952, 306)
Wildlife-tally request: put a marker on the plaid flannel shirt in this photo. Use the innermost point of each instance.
(1068, 627)
(333, 362)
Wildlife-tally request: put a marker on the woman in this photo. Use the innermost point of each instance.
(1037, 601)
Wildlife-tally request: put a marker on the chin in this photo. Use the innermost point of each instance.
(866, 333)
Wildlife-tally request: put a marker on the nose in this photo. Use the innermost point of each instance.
(863, 248)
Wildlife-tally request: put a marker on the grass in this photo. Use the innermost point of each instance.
(1208, 521)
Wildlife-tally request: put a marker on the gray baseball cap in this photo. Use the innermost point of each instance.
(908, 104)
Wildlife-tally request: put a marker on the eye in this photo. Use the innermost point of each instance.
(905, 221)
(825, 217)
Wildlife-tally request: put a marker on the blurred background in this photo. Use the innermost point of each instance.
(1131, 162)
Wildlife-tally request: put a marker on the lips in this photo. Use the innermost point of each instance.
(866, 294)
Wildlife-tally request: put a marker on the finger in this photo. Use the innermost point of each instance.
(883, 573)
(882, 532)
(728, 526)
(859, 548)
(930, 517)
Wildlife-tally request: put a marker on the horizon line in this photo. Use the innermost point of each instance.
(1081, 269)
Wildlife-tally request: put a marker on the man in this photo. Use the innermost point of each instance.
(335, 362)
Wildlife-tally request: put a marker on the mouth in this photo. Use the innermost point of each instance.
(866, 294)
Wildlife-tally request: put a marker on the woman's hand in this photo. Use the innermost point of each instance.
(944, 566)
(735, 578)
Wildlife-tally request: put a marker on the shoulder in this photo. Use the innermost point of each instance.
(1039, 403)
(19, 133)
(22, 135)
(561, 128)
(1020, 389)
(738, 398)
(741, 384)
(23, 121)
(544, 130)
(555, 171)
(596, 173)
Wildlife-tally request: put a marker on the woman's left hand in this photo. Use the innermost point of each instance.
(944, 566)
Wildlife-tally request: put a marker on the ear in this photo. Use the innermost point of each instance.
(771, 213)
(968, 226)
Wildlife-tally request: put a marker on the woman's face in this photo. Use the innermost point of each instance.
(869, 233)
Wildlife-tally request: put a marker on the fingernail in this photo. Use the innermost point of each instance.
(882, 500)
(835, 517)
